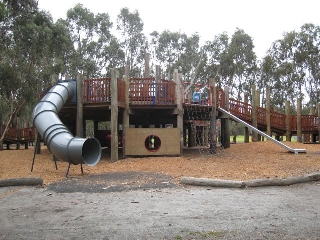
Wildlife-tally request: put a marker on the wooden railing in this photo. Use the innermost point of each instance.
(240, 109)
(144, 91)
(96, 90)
(309, 123)
(27, 134)
(20, 135)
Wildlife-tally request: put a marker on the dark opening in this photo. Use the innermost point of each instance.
(152, 143)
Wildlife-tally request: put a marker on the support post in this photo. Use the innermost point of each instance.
(79, 124)
(319, 122)
(114, 114)
(225, 128)
(176, 77)
(299, 117)
(268, 107)
(146, 65)
(254, 114)
(288, 132)
(125, 117)
(313, 137)
(258, 93)
(246, 130)
(213, 118)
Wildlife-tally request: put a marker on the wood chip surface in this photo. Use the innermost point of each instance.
(239, 162)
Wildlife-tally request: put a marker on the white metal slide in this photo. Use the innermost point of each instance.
(262, 133)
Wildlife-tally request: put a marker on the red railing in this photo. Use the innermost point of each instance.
(262, 116)
(240, 109)
(278, 120)
(20, 135)
(27, 134)
(144, 91)
(309, 123)
(96, 90)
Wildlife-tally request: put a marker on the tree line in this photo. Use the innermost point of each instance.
(34, 48)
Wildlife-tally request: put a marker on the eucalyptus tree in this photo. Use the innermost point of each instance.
(92, 41)
(307, 58)
(25, 33)
(175, 50)
(216, 63)
(133, 42)
(243, 68)
(288, 74)
(166, 49)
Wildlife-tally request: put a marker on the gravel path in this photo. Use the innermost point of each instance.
(107, 207)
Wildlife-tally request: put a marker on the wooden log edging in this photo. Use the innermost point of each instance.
(212, 182)
(251, 183)
(20, 182)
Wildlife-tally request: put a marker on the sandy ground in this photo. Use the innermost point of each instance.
(239, 162)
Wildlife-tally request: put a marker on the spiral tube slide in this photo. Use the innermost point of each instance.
(56, 135)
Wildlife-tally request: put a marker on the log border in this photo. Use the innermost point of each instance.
(209, 182)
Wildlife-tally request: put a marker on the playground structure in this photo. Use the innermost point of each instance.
(156, 119)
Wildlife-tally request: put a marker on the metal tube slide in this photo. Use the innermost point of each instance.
(56, 135)
(293, 150)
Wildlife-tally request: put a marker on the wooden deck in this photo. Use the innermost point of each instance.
(146, 93)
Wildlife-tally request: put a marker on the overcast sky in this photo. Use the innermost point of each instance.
(265, 21)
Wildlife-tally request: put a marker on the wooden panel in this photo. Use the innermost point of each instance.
(136, 137)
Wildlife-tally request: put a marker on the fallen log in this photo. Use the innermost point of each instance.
(283, 181)
(20, 182)
(212, 182)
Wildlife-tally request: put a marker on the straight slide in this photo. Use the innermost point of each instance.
(293, 150)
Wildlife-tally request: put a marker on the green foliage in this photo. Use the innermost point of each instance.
(292, 66)
(133, 41)
(33, 48)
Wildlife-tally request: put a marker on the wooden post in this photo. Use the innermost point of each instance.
(114, 114)
(95, 126)
(225, 128)
(288, 132)
(179, 106)
(313, 137)
(258, 95)
(79, 124)
(158, 74)
(157, 81)
(246, 130)
(1, 129)
(319, 122)
(268, 107)
(125, 117)
(299, 117)
(146, 65)
(213, 118)
(254, 114)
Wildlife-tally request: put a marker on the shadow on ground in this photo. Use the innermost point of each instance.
(113, 182)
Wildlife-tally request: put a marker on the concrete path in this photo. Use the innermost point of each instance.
(163, 212)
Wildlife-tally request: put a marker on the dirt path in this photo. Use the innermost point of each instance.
(161, 213)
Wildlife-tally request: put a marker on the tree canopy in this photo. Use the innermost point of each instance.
(34, 48)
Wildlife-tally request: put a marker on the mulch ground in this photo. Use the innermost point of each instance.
(239, 162)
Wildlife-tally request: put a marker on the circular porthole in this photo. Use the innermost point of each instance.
(152, 143)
